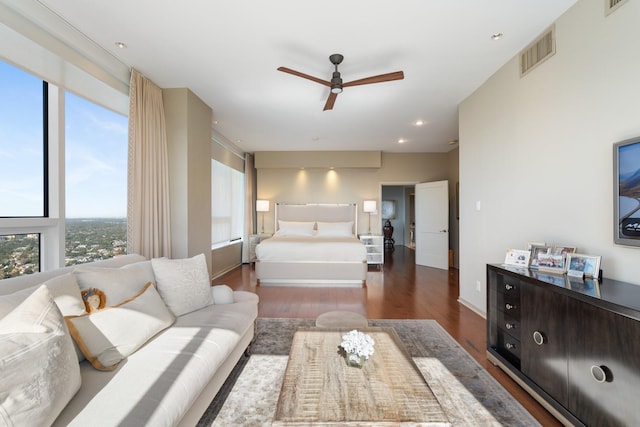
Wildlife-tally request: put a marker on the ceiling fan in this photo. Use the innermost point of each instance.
(336, 84)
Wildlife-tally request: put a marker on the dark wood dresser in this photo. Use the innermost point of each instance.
(572, 343)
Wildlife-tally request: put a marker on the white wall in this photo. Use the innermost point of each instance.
(536, 152)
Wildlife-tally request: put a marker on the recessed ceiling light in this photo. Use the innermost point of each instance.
(419, 122)
(496, 36)
(121, 45)
(401, 141)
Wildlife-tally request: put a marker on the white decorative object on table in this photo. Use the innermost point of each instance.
(358, 346)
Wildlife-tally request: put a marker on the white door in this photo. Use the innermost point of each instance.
(432, 224)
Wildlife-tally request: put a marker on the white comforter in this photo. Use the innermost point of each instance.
(295, 248)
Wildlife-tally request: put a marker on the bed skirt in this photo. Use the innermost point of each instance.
(311, 273)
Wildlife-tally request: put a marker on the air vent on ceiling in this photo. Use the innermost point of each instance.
(612, 5)
(538, 51)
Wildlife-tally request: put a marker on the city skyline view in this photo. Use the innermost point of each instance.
(95, 152)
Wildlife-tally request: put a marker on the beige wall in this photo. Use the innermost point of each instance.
(348, 185)
(189, 146)
(536, 152)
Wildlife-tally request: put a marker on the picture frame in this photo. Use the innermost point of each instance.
(551, 263)
(626, 192)
(517, 258)
(537, 250)
(579, 265)
(564, 250)
(531, 244)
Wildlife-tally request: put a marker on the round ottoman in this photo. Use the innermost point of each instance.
(341, 319)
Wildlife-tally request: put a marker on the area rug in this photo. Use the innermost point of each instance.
(468, 394)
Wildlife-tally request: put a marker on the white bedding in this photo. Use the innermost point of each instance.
(311, 248)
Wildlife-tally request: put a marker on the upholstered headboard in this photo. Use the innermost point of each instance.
(317, 212)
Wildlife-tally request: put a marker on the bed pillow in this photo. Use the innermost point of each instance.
(109, 335)
(39, 370)
(64, 290)
(222, 294)
(295, 228)
(118, 284)
(183, 283)
(335, 229)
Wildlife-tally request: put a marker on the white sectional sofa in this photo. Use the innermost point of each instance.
(172, 377)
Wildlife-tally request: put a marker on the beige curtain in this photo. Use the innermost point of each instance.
(249, 204)
(148, 208)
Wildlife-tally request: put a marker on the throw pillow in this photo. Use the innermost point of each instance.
(107, 336)
(65, 292)
(295, 228)
(183, 283)
(39, 369)
(118, 284)
(335, 229)
(222, 294)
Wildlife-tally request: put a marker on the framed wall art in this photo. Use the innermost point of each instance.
(626, 192)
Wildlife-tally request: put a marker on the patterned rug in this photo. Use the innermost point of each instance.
(468, 394)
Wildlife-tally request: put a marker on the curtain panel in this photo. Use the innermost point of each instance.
(148, 204)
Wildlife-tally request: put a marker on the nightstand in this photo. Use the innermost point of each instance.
(254, 240)
(375, 248)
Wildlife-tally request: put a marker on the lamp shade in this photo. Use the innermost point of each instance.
(369, 206)
(262, 206)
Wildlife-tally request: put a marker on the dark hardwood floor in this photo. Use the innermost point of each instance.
(399, 290)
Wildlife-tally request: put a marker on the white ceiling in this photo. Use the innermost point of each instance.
(227, 53)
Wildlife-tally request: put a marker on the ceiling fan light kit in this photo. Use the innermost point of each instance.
(336, 84)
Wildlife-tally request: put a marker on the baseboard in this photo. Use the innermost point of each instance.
(472, 308)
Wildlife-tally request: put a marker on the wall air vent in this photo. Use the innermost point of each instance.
(538, 51)
(612, 5)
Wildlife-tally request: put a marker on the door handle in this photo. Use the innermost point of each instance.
(443, 231)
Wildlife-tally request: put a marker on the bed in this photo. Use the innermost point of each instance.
(314, 245)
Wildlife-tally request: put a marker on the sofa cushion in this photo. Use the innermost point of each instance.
(183, 283)
(65, 292)
(39, 372)
(222, 294)
(118, 284)
(107, 336)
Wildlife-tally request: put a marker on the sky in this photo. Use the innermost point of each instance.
(95, 152)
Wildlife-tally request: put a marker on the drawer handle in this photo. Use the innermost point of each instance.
(510, 346)
(601, 374)
(539, 338)
(508, 287)
(510, 325)
(510, 306)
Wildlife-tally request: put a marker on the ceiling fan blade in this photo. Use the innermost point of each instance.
(304, 76)
(330, 101)
(398, 75)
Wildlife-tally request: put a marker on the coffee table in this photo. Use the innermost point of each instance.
(320, 389)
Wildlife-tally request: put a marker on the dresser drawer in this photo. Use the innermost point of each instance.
(509, 324)
(509, 347)
(509, 286)
(509, 304)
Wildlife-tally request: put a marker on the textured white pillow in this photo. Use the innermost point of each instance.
(65, 292)
(183, 283)
(222, 294)
(39, 371)
(335, 229)
(294, 228)
(118, 284)
(111, 334)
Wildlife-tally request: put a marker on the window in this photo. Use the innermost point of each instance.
(39, 217)
(227, 204)
(95, 181)
(19, 254)
(22, 143)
